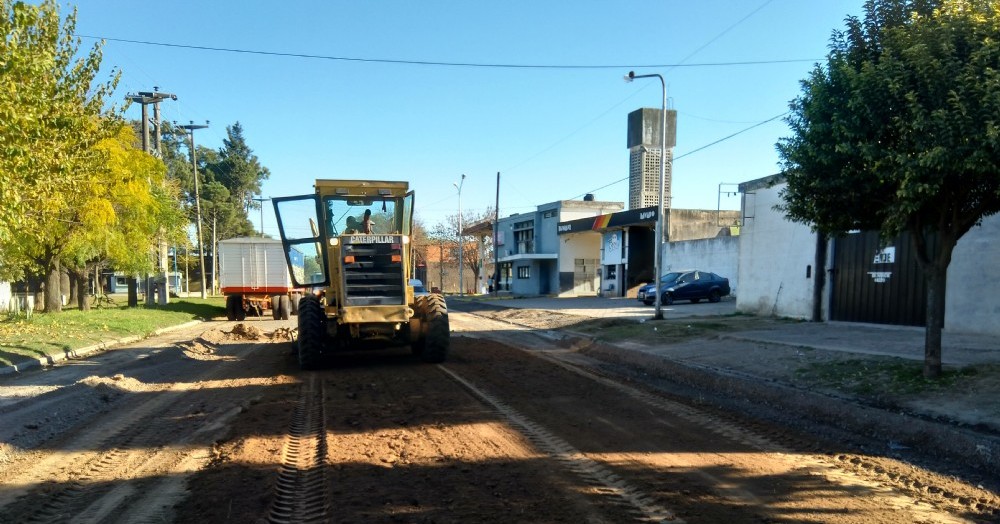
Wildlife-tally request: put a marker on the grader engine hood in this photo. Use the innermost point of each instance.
(373, 270)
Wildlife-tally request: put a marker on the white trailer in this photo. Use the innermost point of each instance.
(254, 277)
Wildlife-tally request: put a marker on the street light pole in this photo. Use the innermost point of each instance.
(657, 260)
(461, 281)
(197, 200)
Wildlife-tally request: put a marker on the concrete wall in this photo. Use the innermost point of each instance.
(717, 255)
(773, 256)
(4, 296)
(972, 302)
(693, 224)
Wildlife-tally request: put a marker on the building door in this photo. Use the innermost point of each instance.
(877, 284)
(585, 279)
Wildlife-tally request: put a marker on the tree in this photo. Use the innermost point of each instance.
(126, 209)
(241, 173)
(447, 233)
(900, 132)
(51, 117)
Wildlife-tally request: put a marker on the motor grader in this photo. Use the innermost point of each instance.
(351, 239)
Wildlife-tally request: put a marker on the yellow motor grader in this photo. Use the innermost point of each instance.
(349, 243)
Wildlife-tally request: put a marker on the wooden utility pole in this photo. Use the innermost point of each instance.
(146, 98)
(197, 200)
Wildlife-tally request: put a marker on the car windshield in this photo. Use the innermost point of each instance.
(670, 277)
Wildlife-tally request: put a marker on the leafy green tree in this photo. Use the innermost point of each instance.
(241, 173)
(52, 114)
(899, 131)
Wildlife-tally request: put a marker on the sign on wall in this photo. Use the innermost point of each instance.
(613, 242)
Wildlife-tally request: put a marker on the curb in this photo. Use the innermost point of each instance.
(31, 363)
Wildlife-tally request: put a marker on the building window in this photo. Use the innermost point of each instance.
(525, 240)
(551, 213)
(523, 271)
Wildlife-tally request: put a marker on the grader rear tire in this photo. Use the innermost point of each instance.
(438, 339)
(312, 332)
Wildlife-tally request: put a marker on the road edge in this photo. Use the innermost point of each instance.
(36, 362)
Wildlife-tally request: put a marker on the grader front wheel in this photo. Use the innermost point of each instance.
(437, 338)
(312, 332)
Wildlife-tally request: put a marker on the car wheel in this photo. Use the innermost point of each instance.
(668, 299)
(648, 302)
(714, 296)
(695, 300)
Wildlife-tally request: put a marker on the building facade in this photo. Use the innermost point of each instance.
(865, 280)
(644, 143)
(534, 260)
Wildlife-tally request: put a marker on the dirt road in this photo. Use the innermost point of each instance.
(217, 424)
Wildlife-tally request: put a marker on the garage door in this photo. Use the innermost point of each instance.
(876, 284)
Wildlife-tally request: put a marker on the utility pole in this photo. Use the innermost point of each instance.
(215, 253)
(260, 201)
(461, 240)
(197, 199)
(496, 239)
(441, 264)
(145, 98)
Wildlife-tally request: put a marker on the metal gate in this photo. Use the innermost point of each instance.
(877, 284)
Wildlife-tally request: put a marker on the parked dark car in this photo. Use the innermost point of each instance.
(692, 285)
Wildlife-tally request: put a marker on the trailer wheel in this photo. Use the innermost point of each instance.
(312, 332)
(231, 306)
(295, 303)
(283, 306)
(239, 311)
(276, 307)
(438, 338)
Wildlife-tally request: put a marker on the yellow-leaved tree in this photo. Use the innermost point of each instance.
(52, 115)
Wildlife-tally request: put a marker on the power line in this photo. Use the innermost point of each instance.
(693, 151)
(440, 63)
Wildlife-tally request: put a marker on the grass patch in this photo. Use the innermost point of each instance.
(883, 376)
(616, 329)
(48, 334)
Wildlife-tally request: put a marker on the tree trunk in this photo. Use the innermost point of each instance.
(936, 284)
(53, 293)
(71, 286)
(81, 294)
(79, 278)
(133, 292)
(934, 263)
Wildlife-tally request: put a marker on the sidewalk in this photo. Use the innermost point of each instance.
(868, 339)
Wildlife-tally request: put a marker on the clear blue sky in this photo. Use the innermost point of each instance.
(553, 133)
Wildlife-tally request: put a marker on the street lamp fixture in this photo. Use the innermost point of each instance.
(461, 262)
(658, 314)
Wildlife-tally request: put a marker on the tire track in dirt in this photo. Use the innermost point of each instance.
(777, 445)
(602, 479)
(300, 490)
(133, 463)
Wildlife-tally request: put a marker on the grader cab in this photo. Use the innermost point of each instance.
(354, 239)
